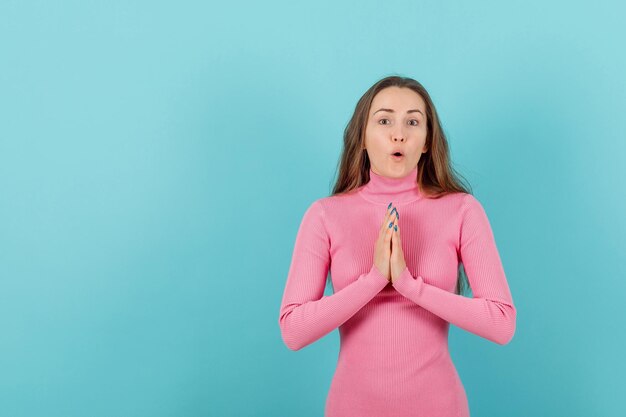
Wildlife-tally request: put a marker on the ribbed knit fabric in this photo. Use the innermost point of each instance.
(393, 358)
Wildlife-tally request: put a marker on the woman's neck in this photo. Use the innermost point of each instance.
(381, 189)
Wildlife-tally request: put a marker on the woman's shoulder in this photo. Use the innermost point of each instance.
(458, 198)
(319, 205)
(332, 201)
(469, 206)
(328, 207)
(468, 201)
(461, 203)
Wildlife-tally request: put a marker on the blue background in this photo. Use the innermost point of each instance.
(156, 160)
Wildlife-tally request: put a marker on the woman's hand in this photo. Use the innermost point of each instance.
(382, 248)
(397, 262)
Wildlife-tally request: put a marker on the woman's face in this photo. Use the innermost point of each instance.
(396, 122)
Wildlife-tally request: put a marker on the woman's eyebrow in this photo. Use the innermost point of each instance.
(392, 111)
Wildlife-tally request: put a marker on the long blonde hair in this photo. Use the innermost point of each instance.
(435, 174)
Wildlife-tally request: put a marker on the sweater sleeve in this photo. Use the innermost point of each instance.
(490, 313)
(305, 313)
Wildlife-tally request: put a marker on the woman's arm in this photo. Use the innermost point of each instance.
(305, 314)
(490, 313)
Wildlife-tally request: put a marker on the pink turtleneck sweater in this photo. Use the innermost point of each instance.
(393, 358)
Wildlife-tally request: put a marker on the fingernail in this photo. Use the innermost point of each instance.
(390, 224)
(395, 228)
(389, 206)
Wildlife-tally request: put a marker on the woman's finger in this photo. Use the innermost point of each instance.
(396, 234)
(386, 219)
(390, 226)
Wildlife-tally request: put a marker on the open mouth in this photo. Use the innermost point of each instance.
(397, 154)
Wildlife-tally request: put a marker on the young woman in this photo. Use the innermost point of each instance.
(394, 235)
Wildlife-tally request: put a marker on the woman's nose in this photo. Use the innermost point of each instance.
(398, 134)
(398, 137)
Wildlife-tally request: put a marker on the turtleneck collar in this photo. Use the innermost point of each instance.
(381, 189)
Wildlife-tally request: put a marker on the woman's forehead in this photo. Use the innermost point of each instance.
(398, 99)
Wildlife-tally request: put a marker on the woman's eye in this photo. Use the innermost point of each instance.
(412, 122)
